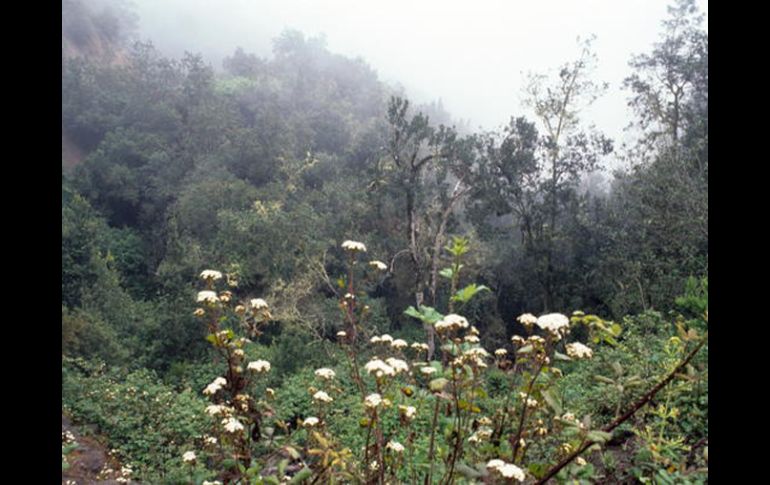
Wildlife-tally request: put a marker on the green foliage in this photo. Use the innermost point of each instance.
(149, 423)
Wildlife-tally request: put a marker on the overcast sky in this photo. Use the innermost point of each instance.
(471, 54)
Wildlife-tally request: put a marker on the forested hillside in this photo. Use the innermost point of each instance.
(179, 178)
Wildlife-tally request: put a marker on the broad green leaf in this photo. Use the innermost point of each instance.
(605, 380)
(560, 356)
(464, 295)
(599, 436)
(446, 273)
(437, 385)
(467, 471)
(302, 475)
(552, 401)
(426, 314)
(282, 467)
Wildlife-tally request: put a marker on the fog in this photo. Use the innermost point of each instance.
(471, 55)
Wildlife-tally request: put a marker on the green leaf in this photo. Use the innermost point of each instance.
(437, 385)
(605, 380)
(271, 480)
(302, 475)
(560, 356)
(599, 436)
(552, 401)
(446, 273)
(525, 350)
(282, 467)
(426, 314)
(467, 471)
(464, 295)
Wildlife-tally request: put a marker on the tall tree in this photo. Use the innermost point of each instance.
(566, 152)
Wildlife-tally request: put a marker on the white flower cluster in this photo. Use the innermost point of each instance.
(373, 400)
(507, 470)
(354, 246)
(427, 370)
(384, 339)
(215, 482)
(378, 265)
(556, 323)
(216, 409)
(531, 403)
(399, 344)
(210, 274)
(409, 412)
(189, 457)
(215, 386)
(232, 425)
(321, 396)
(258, 303)
(420, 347)
(379, 368)
(451, 322)
(395, 446)
(310, 422)
(207, 297)
(480, 435)
(501, 352)
(259, 366)
(579, 351)
(324, 373)
(398, 365)
(527, 319)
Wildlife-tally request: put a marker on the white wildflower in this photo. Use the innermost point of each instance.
(409, 412)
(373, 400)
(501, 352)
(579, 351)
(259, 366)
(353, 246)
(527, 319)
(471, 339)
(189, 457)
(427, 370)
(451, 322)
(378, 265)
(215, 409)
(232, 425)
(395, 446)
(258, 303)
(386, 339)
(379, 368)
(511, 471)
(553, 322)
(398, 365)
(207, 296)
(399, 344)
(310, 422)
(210, 274)
(325, 373)
(321, 396)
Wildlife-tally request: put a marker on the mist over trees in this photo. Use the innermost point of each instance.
(263, 167)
